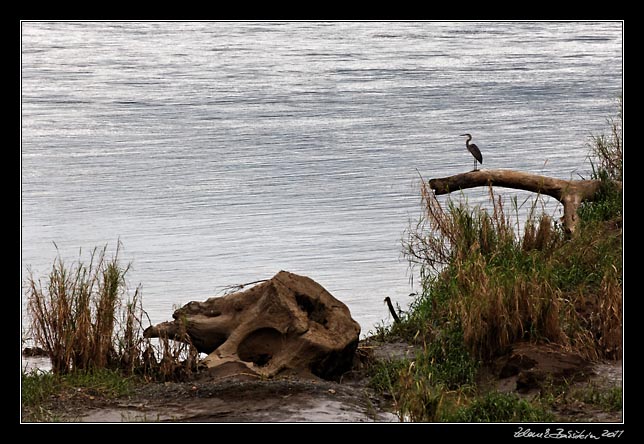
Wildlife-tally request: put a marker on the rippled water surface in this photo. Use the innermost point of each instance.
(222, 152)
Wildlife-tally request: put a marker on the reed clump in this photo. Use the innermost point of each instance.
(478, 274)
(86, 320)
(91, 327)
(74, 313)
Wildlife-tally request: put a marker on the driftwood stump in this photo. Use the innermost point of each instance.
(288, 323)
(571, 193)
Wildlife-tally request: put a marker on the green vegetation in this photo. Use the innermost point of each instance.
(597, 395)
(609, 400)
(74, 316)
(91, 329)
(607, 162)
(499, 286)
(486, 284)
(39, 387)
(501, 407)
(84, 320)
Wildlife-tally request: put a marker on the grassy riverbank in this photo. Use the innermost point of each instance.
(486, 286)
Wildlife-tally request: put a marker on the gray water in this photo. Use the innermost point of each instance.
(222, 152)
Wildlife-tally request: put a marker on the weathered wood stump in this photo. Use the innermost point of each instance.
(289, 323)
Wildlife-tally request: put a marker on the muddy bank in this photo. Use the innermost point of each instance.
(259, 401)
(299, 399)
(283, 400)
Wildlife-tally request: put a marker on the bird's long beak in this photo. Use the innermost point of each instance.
(462, 134)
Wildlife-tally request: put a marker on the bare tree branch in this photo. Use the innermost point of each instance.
(571, 193)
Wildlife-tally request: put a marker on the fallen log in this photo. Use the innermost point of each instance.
(571, 193)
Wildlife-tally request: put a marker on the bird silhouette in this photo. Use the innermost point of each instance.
(472, 148)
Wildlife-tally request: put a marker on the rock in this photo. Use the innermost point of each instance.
(289, 323)
(529, 380)
(515, 364)
(533, 364)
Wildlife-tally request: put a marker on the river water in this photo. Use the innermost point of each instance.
(219, 153)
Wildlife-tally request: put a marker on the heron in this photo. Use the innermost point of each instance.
(392, 310)
(472, 148)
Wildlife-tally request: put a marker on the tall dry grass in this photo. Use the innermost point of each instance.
(501, 285)
(74, 313)
(85, 319)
